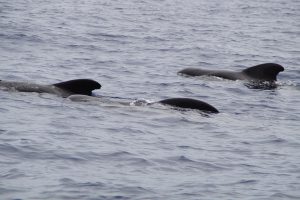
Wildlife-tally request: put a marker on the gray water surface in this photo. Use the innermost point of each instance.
(53, 148)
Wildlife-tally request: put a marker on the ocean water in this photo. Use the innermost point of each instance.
(54, 148)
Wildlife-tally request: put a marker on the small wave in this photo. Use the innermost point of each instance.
(85, 47)
(67, 157)
(247, 182)
(184, 159)
(12, 174)
(124, 156)
(7, 191)
(118, 154)
(67, 182)
(284, 196)
(8, 148)
(108, 35)
(141, 102)
(243, 181)
(273, 140)
(2, 131)
(140, 162)
(71, 187)
(206, 166)
(189, 147)
(22, 37)
(154, 39)
(122, 39)
(31, 152)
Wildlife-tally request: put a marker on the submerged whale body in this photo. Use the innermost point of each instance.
(64, 89)
(185, 103)
(190, 104)
(262, 72)
(81, 90)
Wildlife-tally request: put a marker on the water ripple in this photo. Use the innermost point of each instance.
(52, 148)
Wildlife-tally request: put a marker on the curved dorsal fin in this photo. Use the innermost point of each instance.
(264, 72)
(79, 86)
(189, 103)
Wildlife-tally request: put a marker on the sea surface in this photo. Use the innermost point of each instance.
(55, 148)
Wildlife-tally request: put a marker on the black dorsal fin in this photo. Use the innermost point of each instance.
(190, 103)
(264, 72)
(79, 86)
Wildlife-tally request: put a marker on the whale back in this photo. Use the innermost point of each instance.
(218, 73)
(264, 72)
(79, 86)
(189, 103)
(194, 72)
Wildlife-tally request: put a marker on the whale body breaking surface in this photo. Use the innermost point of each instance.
(64, 89)
(81, 89)
(262, 72)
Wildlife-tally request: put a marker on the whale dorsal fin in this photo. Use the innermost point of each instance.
(189, 103)
(264, 72)
(79, 86)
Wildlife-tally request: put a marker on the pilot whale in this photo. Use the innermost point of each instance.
(64, 89)
(81, 90)
(190, 104)
(185, 103)
(262, 72)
